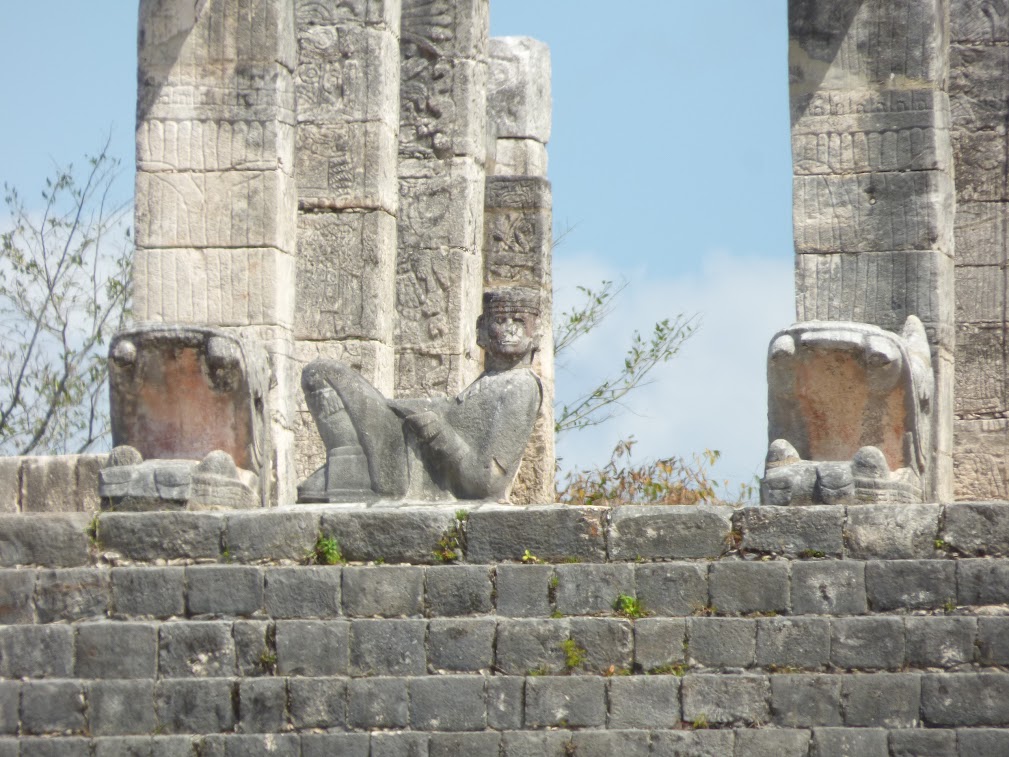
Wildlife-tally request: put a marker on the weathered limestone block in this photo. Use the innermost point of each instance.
(380, 14)
(981, 459)
(225, 287)
(882, 288)
(346, 265)
(873, 212)
(49, 484)
(980, 233)
(442, 104)
(441, 204)
(347, 72)
(10, 485)
(208, 145)
(215, 209)
(977, 86)
(980, 166)
(467, 447)
(848, 44)
(849, 415)
(192, 402)
(855, 132)
(980, 374)
(437, 298)
(518, 97)
(517, 157)
(454, 27)
(428, 374)
(346, 166)
(980, 294)
(979, 21)
(517, 231)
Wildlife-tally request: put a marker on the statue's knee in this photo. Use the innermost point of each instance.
(318, 375)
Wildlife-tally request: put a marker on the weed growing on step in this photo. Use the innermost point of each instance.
(574, 655)
(326, 551)
(629, 607)
(92, 530)
(448, 549)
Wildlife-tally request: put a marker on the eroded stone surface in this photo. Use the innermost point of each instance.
(190, 420)
(850, 415)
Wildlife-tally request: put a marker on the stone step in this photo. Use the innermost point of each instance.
(487, 533)
(547, 647)
(728, 588)
(741, 742)
(437, 704)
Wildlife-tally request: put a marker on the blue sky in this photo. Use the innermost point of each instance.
(669, 159)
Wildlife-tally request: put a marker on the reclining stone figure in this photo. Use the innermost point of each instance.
(431, 449)
(849, 415)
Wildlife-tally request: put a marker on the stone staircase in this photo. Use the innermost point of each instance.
(818, 631)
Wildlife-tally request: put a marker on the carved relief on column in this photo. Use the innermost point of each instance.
(347, 83)
(873, 183)
(979, 102)
(442, 150)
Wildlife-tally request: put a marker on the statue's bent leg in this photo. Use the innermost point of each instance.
(349, 411)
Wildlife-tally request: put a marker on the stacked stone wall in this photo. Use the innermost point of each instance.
(804, 631)
(979, 102)
(48, 484)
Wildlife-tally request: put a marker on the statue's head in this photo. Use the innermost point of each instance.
(507, 327)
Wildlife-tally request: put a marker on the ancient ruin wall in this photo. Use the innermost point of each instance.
(979, 102)
(867, 630)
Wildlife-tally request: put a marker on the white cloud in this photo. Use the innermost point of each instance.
(713, 395)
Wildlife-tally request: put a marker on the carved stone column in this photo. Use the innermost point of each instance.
(873, 183)
(442, 147)
(215, 192)
(518, 227)
(979, 101)
(347, 81)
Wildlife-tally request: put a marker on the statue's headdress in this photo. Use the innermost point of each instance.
(511, 300)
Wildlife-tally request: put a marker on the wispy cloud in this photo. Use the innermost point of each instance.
(713, 395)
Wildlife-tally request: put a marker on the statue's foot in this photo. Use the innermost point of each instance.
(313, 488)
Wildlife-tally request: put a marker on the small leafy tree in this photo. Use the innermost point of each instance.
(64, 283)
(667, 481)
(600, 404)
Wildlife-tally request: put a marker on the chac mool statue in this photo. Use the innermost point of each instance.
(431, 449)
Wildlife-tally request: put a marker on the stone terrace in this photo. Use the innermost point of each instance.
(802, 631)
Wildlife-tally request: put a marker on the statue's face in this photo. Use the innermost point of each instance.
(510, 334)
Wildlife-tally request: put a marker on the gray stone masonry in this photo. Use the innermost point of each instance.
(493, 534)
(55, 484)
(752, 653)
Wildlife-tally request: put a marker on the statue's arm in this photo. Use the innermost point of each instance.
(482, 468)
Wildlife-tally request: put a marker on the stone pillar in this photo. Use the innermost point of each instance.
(979, 101)
(873, 184)
(518, 230)
(442, 147)
(347, 82)
(215, 193)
